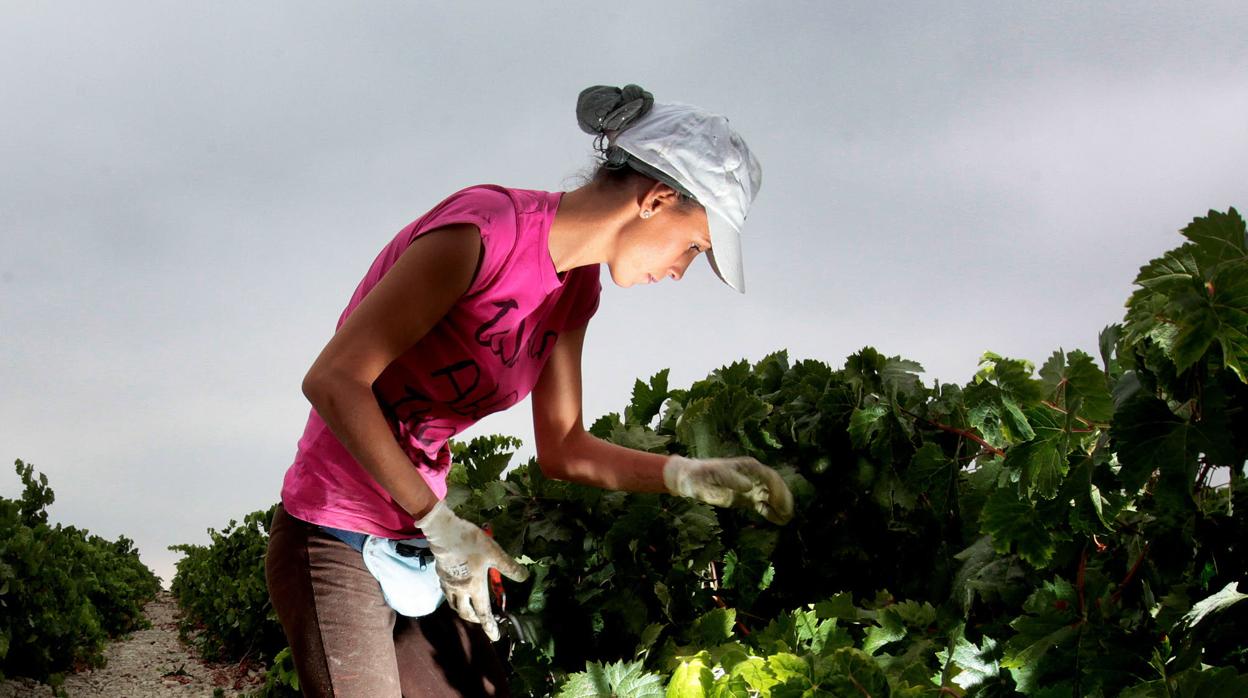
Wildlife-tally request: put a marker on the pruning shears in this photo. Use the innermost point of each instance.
(509, 625)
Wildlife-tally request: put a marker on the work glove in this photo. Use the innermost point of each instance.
(731, 482)
(462, 556)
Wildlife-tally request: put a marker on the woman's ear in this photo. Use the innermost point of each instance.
(658, 196)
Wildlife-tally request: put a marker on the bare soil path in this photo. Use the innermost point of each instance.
(147, 664)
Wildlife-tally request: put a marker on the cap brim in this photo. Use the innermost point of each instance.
(725, 252)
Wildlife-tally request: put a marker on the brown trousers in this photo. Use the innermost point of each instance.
(347, 642)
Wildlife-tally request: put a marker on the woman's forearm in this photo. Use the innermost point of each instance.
(588, 460)
(351, 411)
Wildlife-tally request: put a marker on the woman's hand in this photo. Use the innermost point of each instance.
(731, 482)
(462, 555)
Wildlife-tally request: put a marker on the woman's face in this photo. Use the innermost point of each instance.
(661, 246)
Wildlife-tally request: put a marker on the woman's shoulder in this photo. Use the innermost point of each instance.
(485, 206)
(495, 203)
(481, 198)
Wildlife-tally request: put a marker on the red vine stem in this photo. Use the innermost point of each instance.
(954, 430)
(720, 602)
(740, 626)
(1088, 423)
(1204, 474)
(1130, 575)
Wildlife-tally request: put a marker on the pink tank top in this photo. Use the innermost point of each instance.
(484, 356)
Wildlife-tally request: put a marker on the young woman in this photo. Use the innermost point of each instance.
(480, 301)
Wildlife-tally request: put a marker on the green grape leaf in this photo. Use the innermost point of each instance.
(865, 423)
(975, 558)
(788, 668)
(604, 425)
(890, 629)
(1012, 377)
(1217, 238)
(915, 614)
(1148, 438)
(1015, 524)
(1215, 603)
(1229, 306)
(779, 635)
(973, 665)
(1050, 621)
(756, 674)
(647, 639)
(621, 680)
(851, 673)
(1193, 683)
(900, 376)
(750, 569)
(996, 415)
(1107, 342)
(711, 427)
(648, 399)
(548, 529)
(936, 476)
(1074, 383)
(640, 438)
(771, 370)
(1174, 270)
(692, 678)
(839, 606)
(862, 372)
(1041, 462)
(698, 431)
(697, 530)
(1196, 295)
(1216, 311)
(815, 635)
(714, 627)
(737, 373)
(483, 459)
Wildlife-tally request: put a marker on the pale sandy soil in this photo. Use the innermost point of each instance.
(147, 664)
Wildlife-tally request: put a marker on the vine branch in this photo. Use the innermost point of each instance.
(954, 430)
(1086, 422)
(1117, 596)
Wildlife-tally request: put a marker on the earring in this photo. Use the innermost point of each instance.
(647, 213)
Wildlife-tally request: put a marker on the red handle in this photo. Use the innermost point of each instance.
(496, 579)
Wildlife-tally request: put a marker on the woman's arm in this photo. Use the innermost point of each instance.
(431, 274)
(565, 451)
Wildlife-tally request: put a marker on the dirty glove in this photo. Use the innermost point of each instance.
(735, 482)
(462, 556)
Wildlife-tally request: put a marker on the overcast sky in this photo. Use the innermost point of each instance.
(192, 190)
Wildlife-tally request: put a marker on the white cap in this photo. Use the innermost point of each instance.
(701, 152)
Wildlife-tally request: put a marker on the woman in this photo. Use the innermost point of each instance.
(468, 309)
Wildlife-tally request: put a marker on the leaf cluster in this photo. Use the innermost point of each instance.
(222, 592)
(1059, 523)
(63, 591)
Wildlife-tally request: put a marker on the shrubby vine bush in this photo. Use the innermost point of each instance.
(1051, 531)
(1045, 532)
(63, 591)
(221, 590)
